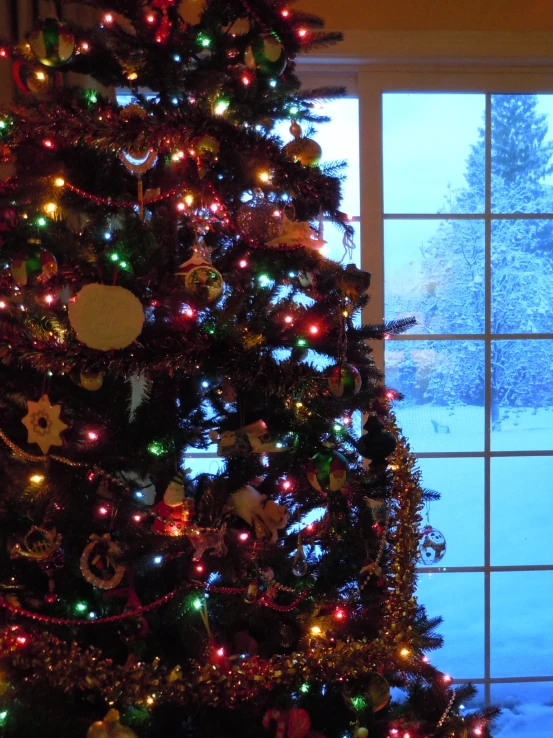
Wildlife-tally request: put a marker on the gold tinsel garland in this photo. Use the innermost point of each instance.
(400, 607)
(68, 667)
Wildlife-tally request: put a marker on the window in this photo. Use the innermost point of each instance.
(466, 238)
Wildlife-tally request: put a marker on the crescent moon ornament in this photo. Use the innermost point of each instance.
(138, 163)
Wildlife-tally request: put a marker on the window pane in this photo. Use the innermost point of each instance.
(522, 395)
(203, 465)
(429, 141)
(521, 153)
(459, 514)
(434, 270)
(522, 511)
(443, 384)
(522, 276)
(527, 710)
(521, 616)
(334, 247)
(459, 599)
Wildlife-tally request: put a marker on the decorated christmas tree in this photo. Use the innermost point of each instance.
(162, 292)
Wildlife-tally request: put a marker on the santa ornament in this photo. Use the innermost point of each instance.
(175, 512)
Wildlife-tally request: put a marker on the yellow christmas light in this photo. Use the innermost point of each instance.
(37, 479)
(59, 182)
(264, 176)
(189, 200)
(50, 208)
(316, 630)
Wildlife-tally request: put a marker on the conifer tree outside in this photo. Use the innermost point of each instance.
(165, 290)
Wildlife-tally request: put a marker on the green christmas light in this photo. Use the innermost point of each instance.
(81, 607)
(304, 688)
(221, 106)
(198, 604)
(114, 257)
(41, 222)
(337, 427)
(301, 342)
(359, 703)
(123, 264)
(3, 716)
(3, 124)
(264, 280)
(294, 110)
(156, 449)
(91, 96)
(204, 40)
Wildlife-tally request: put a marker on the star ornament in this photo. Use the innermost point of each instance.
(43, 423)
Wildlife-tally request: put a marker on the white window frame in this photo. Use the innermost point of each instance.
(472, 63)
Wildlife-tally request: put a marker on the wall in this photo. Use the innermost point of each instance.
(434, 15)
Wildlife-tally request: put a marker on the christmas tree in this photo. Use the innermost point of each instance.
(164, 291)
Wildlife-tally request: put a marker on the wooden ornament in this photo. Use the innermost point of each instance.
(43, 424)
(100, 562)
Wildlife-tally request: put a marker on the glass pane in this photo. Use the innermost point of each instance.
(434, 270)
(443, 384)
(459, 514)
(521, 616)
(459, 599)
(522, 511)
(527, 710)
(522, 146)
(522, 276)
(428, 153)
(522, 395)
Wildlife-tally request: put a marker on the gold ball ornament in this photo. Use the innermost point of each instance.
(206, 147)
(97, 730)
(378, 691)
(106, 317)
(91, 381)
(304, 150)
(361, 733)
(110, 727)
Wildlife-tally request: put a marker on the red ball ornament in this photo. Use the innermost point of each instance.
(344, 381)
(50, 598)
(327, 471)
(299, 723)
(9, 218)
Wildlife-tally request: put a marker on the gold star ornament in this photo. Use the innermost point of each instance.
(43, 423)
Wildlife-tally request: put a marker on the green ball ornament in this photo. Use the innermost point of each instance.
(327, 471)
(266, 55)
(344, 381)
(52, 43)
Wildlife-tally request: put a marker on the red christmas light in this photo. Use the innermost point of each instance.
(302, 32)
(243, 536)
(108, 18)
(285, 13)
(339, 614)
(48, 143)
(242, 263)
(313, 329)
(92, 436)
(199, 568)
(151, 18)
(103, 510)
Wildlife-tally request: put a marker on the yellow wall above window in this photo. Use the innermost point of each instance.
(434, 15)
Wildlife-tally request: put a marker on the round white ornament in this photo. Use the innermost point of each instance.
(106, 317)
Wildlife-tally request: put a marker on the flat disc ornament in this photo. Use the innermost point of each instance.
(327, 471)
(432, 546)
(52, 42)
(106, 317)
(266, 55)
(344, 381)
(202, 282)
